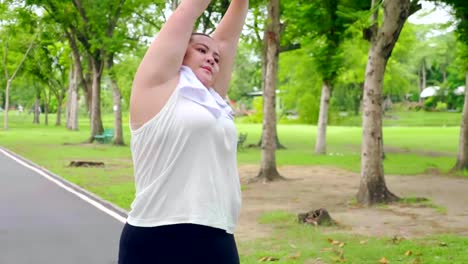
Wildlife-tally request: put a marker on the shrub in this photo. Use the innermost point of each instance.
(441, 107)
(429, 103)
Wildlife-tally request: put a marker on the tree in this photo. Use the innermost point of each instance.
(16, 19)
(101, 29)
(461, 13)
(49, 64)
(324, 23)
(382, 39)
(268, 170)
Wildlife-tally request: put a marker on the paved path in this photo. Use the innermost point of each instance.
(45, 220)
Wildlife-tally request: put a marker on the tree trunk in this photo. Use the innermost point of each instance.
(37, 110)
(268, 171)
(423, 78)
(358, 97)
(46, 97)
(372, 187)
(58, 121)
(96, 121)
(444, 74)
(462, 157)
(264, 78)
(72, 103)
(78, 79)
(118, 131)
(88, 90)
(278, 143)
(7, 105)
(321, 141)
(46, 113)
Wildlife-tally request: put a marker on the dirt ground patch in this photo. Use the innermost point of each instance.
(314, 187)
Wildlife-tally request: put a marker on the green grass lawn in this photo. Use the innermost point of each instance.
(407, 119)
(294, 243)
(410, 149)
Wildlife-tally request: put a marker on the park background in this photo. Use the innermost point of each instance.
(56, 65)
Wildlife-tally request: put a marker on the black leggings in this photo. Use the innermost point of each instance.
(173, 244)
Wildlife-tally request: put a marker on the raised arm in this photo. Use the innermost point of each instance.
(227, 36)
(163, 58)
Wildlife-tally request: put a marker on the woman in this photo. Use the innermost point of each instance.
(184, 144)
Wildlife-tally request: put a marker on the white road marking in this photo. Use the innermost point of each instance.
(80, 195)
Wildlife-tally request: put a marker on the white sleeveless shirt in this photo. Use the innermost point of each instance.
(185, 161)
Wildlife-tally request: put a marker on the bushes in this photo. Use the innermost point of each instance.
(441, 107)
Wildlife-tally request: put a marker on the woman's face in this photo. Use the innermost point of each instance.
(203, 57)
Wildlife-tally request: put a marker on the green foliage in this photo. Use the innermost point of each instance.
(276, 217)
(298, 79)
(124, 72)
(308, 108)
(247, 73)
(441, 107)
(257, 116)
(399, 76)
(323, 24)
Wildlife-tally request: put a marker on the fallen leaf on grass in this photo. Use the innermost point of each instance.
(416, 261)
(264, 259)
(362, 242)
(397, 240)
(383, 261)
(334, 242)
(339, 259)
(408, 253)
(295, 255)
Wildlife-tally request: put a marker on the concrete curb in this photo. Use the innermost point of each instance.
(121, 212)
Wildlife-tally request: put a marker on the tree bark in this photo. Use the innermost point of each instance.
(46, 108)
(462, 157)
(88, 88)
(79, 80)
(268, 171)
(117, 100)
(423, 78)
(118, 131)
(58, 121)
(278, 143)
(7, 104)
(321, 141)
(96, 119)
(372, 187)
(264, 78)
(72, 99)
(37, 110)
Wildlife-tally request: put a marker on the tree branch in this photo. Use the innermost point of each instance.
(5, 54)
(24, 57)
(414, 6)
(370, 32)
(79, 7)
(115, 18)
(290, 47)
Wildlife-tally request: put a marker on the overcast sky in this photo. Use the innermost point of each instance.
(430, 14)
